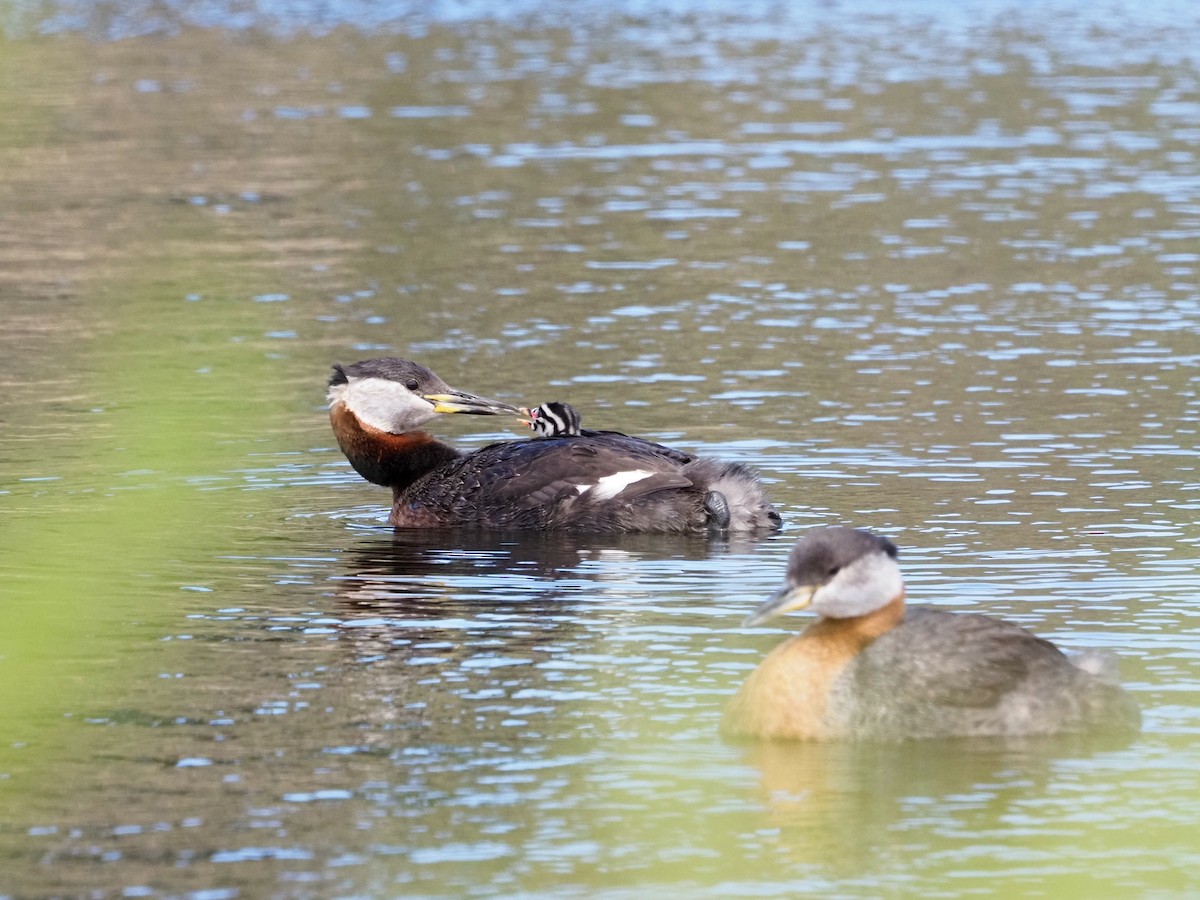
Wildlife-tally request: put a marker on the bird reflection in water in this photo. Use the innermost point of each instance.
(447, 631)
(847, 798)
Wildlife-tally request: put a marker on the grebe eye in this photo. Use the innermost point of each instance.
(834, 570)
(412, 384)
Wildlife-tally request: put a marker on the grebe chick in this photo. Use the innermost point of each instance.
(554, 419)
(868, 669)
(599, 481)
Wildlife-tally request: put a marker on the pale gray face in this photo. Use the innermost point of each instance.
(866, 584)
(397, 395)
(837, 572)
(383, 404)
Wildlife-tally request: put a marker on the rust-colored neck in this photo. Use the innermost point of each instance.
(392, 460)
(858, 632)
(787, 696)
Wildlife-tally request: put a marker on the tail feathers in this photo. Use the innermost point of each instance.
(1105, 704)
(1102, 665)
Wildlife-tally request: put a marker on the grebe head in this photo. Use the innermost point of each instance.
(554, 419)
(837, 572)
(396, 395)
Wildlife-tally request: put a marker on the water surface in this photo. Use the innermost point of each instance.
(931, 271)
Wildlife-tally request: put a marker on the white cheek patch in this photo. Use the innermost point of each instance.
(610, 485)
(385, 404)
(866, 585)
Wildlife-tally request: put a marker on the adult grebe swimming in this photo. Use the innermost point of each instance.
(600, 481)
(869, 669)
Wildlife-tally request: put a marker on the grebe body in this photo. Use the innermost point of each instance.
(871, 669)
(566, 480)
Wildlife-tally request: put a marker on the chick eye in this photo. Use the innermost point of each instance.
(834, 570)
(411, 384)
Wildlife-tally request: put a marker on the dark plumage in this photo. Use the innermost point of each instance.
(869, 669)
(593, 481)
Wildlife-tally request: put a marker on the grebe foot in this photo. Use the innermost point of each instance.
(718, 509)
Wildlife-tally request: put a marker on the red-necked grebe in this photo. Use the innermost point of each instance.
(869, 669)
(566, 479)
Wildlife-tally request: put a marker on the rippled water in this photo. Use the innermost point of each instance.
(932, 271)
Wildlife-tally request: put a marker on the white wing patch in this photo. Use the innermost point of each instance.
(610, 485)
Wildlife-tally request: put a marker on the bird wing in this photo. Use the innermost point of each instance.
(640, 446)
(596, 466)
(944, 659)
(595, 481)
(942, 674)
(586, 481)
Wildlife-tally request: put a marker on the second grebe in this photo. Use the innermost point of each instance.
(591, 481)
(869, 669)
